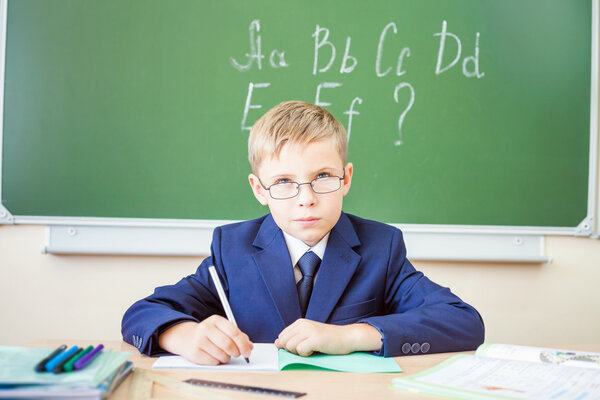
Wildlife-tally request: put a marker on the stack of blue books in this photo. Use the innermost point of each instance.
(22, 375)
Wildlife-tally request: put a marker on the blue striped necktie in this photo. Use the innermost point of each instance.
(308, 264)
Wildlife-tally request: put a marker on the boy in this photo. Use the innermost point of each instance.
(306, 276)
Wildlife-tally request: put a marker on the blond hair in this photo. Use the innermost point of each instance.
(294, 122)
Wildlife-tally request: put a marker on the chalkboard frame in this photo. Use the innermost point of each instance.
(158, 227)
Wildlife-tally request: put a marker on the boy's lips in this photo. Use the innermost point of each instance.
(307, 221)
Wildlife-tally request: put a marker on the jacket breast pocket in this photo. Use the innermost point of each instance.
(349, 313)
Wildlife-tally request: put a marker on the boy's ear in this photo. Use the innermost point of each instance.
(257, 189)
(349, 169)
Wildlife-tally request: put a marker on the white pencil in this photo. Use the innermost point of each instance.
(222, 297)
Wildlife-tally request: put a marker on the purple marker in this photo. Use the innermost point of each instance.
(85, 360)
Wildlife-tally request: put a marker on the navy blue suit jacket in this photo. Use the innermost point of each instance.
(364, 277)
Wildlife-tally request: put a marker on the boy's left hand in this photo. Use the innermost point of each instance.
(305, 336)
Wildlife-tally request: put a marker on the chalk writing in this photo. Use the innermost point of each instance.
(249, 104)
(324, 57)
(318, 45)
(324, 85)
(344, 69)
(380, 50)
(255, 51)
(404, 53)
(406, 109)
(276, 59)
(350, 113)
(475, 59)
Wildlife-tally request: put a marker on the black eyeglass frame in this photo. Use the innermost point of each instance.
(300, 184)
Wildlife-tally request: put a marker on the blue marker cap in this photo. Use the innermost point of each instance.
(60, 357)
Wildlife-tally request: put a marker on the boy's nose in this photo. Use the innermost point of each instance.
(306, 195)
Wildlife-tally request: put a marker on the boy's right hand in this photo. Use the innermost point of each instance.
(211, 342)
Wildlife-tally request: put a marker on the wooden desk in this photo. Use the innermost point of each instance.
(316, 384)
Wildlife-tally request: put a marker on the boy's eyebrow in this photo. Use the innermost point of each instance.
(314, 172)
(281, 175)
(326, 169)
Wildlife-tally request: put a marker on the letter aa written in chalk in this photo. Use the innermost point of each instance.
(276, 58)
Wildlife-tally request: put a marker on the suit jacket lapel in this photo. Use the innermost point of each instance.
(273, 262)
(336, 270)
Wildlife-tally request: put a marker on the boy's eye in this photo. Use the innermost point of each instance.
(323, 175)
(282, 181)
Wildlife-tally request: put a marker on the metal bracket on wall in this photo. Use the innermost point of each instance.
(5, 216)
(585, 228)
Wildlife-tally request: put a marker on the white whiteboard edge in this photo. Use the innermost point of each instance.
(211, 224)
(189, 241)
(594, 184)
(3, 16)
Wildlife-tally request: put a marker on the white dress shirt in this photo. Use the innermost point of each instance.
(297, 248)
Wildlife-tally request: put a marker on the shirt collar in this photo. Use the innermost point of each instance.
(297, 247)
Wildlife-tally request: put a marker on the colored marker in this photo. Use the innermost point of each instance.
(60, 358)
(61, 365)
(85, 360)
(41, 366)
(70, 365)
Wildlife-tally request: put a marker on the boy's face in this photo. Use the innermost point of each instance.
(308, 216)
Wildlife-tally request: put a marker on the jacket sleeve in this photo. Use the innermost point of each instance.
(194, 298)
(422, 316)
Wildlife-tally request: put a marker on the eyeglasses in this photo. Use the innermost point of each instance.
(287, 190)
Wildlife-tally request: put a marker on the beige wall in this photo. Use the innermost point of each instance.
(84, 297)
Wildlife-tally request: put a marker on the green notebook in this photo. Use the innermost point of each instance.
(354, 362)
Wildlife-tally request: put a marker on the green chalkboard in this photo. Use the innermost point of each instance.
(138, 109)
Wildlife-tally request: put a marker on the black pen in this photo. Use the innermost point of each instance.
(41, 366)
(59, 367)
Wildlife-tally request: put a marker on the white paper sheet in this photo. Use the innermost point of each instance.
(263, 358)
(586, 359)
(477, 377)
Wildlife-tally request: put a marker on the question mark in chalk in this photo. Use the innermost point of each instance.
(408, 107)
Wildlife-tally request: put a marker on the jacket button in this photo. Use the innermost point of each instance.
(415, 348)
(406, 348)
(425, 347)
